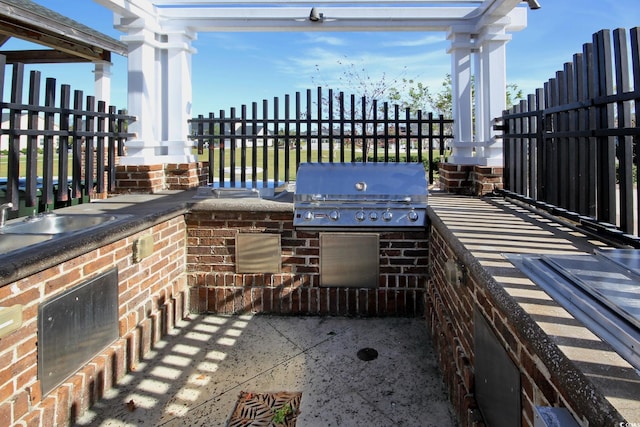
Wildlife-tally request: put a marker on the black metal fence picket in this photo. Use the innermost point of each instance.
(572, 147)
(55, 155)
(263, 148)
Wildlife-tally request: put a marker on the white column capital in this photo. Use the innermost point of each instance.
(460, 41)
(495, 35)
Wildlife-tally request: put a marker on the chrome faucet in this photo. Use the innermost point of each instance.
(3, 212)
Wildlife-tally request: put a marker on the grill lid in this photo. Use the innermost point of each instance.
(403, 183)
(360, 196)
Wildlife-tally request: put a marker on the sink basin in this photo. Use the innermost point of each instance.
(34, 230)
(12, 242)
(57, 224)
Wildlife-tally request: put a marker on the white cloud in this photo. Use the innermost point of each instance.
(226, 41)
(323, 39)
(329, 68)
(422, 41)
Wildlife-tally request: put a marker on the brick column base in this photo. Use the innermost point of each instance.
(144, 179)
(470, 179)
(455, 178)
(182, 176)
(149, 179)
(485, 179)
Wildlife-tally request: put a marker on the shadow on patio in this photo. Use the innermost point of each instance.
(196, 374)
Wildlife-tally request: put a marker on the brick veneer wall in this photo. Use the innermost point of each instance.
(450, 315)
(151, 298)
(486, 179)
(216, 288)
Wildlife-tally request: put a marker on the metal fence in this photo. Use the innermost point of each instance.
(263, 148)
(55, 155)
(571, 148)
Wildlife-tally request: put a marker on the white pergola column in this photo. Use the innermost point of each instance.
(159, 95)
(179, 97)
(493, 64)
(143, 98)
(461, 94)
(480, 125)
(102, 81)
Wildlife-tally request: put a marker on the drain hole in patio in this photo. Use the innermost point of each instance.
(266, 409)
(367, 354)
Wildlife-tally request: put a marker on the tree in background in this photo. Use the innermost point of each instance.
(419, 97)
(408, 94)
(358, 82)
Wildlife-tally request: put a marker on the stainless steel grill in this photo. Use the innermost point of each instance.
(360, 196)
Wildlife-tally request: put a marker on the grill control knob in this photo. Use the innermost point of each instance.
(412, 216)
(307, 216)
(334, 215)
(360, 216)
(373, 216)
(387, 215)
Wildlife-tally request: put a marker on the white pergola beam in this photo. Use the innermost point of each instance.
(334, 19)
(310, 3)
(378, 12)
(129, 8)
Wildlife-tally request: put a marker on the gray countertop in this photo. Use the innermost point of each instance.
(143, 210)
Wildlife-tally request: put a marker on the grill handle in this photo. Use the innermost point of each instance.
(322, 198)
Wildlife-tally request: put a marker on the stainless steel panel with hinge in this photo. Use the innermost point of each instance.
(258, 253)
(497, 378)
(75, 326)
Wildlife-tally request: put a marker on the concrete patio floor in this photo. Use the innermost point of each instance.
(196, 374)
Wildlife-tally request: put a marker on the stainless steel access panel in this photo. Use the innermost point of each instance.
(75, 326)
(349, 259)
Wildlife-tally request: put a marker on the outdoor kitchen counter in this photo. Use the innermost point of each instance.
(142, 211)
(242, 205)
(480, 231)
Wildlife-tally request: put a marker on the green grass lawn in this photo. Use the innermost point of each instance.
(249, 161)
(259, 161)
(23, 165)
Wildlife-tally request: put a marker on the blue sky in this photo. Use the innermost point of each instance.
(231, 69)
